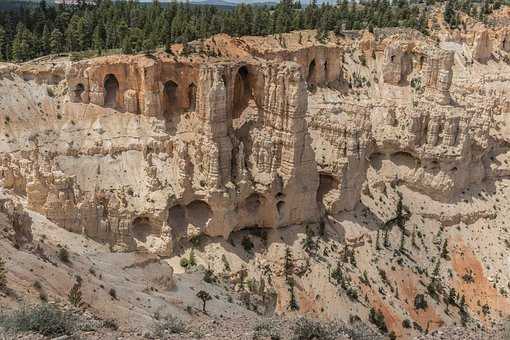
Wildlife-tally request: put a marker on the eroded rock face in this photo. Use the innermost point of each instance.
(143, 151)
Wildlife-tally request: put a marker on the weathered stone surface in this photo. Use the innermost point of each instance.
(142, 151)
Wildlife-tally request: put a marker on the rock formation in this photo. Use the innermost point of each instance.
(143, 151)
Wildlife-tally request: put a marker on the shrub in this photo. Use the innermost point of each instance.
(187, 263)
(74, 295)
(377, 319)
(110, 324)
(266, 329)
(43, 319)
(307, 329)
(63, 255)
(113, 293)
(406, 323)
(3, 275)
(226, 265)
(169, 325)
(247, 244)
(420, 302)
(468, 277)
(209, 276)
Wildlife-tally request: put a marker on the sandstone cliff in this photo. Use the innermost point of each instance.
(146, 152)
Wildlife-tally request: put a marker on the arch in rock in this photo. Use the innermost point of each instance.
(402, 158)
(111, 88)
(78, 91)
(192, 97)
(253, 203)
(242, 91)
(141, 228)
(326, 71)
(326, 183)
(279, 207)
(198, 213)
(170, 97)
(312, 76)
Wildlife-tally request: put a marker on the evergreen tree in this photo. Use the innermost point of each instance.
(56, 41)
(45, 40)
(449, 13)
(22, 46)
(97, 40)
(3, 44)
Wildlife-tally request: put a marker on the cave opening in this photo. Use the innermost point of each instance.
(326, 183)
(170, 93)
(242, 92)
(311, 79)
(78, 91)
(141, 228)
(192, 97)
(111, 88)
(198, 213)
(253, 203)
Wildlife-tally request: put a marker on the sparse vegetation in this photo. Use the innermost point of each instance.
(308, 329)
(247, 244)
(209, 276)
(168, 325)
(63, 255)
(3, 275)
(189, 262)
(75, 295)
(44, 319)
(468, 277)
(113, 293)
(377, 318)
(266, 329)
(420, 302)
(226, 264)
(308, 243)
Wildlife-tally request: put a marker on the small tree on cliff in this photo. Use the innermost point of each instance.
(204, 296)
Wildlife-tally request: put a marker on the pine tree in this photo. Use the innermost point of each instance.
(97, 40)
(45, 40)
(3, 44)
(449, 14)
(22, 46)
(56, 41)
(444, 251)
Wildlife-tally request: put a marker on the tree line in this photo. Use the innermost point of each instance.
(32, 31)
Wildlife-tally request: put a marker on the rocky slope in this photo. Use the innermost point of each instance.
(361, 177)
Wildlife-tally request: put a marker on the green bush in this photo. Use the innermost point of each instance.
(187, 263)
(43, 319)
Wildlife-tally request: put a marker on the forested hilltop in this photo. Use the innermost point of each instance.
(33, 31)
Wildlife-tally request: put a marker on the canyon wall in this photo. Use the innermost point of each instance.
(143, 151)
